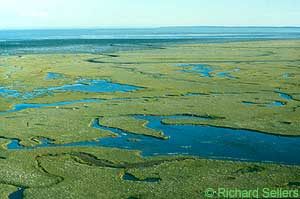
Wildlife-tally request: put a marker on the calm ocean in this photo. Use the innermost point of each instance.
(105, 40)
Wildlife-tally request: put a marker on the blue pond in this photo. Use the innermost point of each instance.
(284, 95)
(83, 85)
(52, 75)
(130, 177)
(277, 103)
(204, 70)
(225, 75)
(95, 86)
(203, 141)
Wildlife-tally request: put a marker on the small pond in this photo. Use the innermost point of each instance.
(51, 76)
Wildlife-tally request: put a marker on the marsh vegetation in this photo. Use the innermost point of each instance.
(53, 105)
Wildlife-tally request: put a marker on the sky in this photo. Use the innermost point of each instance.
(33, 14)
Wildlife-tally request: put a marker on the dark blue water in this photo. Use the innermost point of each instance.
(108, 40)
(248, 103)
(212, 142)
(130, 177)
(17, 194)
(203, 141)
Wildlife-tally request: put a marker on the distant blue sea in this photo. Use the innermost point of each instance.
(104, 40)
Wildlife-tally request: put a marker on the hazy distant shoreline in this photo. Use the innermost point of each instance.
(109, 40)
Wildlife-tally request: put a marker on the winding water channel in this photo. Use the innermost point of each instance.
(203, 141)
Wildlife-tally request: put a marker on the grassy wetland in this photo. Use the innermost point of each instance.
(249, 87)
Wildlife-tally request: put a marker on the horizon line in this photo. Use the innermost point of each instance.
(147, 27)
